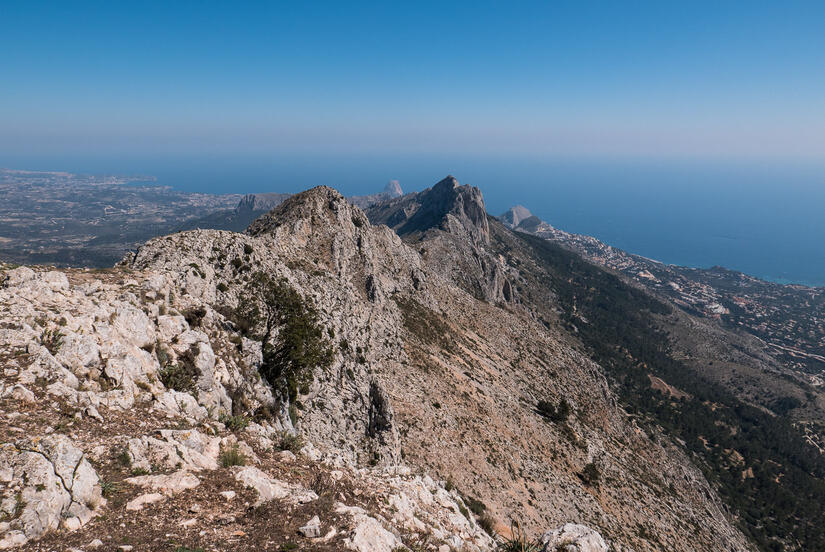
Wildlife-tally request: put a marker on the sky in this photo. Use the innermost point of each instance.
(713, 80)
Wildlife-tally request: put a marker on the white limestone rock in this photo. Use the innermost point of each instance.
(572, 537)
(312, 529)
(58, 484)
(168, 484)
(367, 534)
(272, 489)
(175, 449)
(139, 502)
(19, 276)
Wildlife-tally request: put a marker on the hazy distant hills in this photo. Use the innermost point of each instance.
(250, 207)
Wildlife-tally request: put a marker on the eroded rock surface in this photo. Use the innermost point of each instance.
(47, 483)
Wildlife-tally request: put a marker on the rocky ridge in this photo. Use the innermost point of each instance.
(449, 221)
(427, 377)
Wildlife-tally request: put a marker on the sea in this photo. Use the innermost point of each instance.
(766, 219)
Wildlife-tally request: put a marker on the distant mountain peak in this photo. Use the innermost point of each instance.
(514, 215)
(447, 205)
(393, 189)
(447, 183)
(324, 207)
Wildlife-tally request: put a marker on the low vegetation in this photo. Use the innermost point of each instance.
(518, 541)
(231, 456)
(777, 492)
(294, 342)
(234, 423)
(552, 412)
(423, 323)
(290, 442)
(51, 340)
(183, 375)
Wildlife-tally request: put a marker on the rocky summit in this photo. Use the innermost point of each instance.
(400, 379)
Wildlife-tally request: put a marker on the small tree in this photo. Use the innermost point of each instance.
(294, 343)
(590, 475)
(553, 413)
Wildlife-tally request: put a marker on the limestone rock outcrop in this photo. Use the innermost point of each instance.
(47, 483)
(573, 538)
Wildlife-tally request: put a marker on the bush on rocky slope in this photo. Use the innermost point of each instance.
(294, 344)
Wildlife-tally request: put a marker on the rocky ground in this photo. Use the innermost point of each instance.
(135, 413)
(96, 453)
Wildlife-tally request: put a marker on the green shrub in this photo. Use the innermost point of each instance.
(51, 340)
(194, 316)
(247, 249)
(232, 457)
(180, 377)
(124, 459)
(292, 443)
(234, 423)
(518, 541)
(298, 347)
(222, 287)
(109, 488)
(162, 354)
(553, 413)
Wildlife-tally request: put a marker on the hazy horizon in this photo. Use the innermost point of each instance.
(761, 219)
(690, 133)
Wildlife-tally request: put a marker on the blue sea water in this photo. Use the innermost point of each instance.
(765, 219)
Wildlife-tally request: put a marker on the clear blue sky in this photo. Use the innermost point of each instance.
(743, 79)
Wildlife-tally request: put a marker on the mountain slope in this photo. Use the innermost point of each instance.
(680, 372)
(433, 368)
(463, 377)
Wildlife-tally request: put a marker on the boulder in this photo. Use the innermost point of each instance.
(19, 276)
(168, 484)
(573, 538)
(175, 449)
(139, 502)
(58, 485)
(271, 489)
(367, 533)
(312, 529)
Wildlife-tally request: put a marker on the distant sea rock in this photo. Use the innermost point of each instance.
(514, 215)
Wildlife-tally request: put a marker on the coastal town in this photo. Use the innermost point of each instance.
(790, 319)
(71, 219)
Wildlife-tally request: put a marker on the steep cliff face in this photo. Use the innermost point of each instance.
(447, 206)
(452, 221)
(425, 377)
(260, 202)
